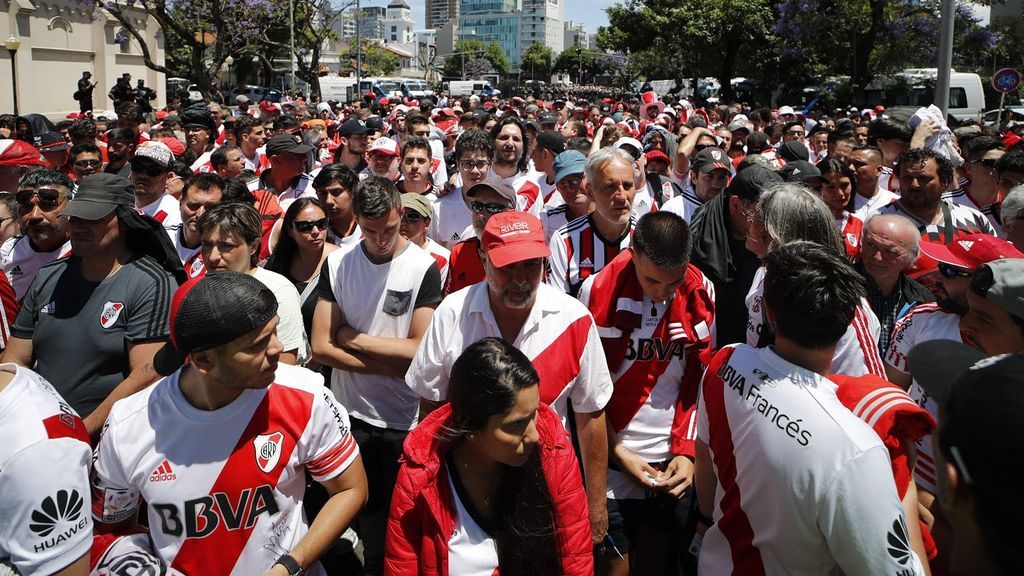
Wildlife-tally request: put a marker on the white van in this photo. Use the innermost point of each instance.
(469, 87)
(966, 95)
(337, 88)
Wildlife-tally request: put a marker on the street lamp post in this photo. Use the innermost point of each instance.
(12, 44)
(579, 61)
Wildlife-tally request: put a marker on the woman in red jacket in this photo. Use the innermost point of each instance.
(489, 483)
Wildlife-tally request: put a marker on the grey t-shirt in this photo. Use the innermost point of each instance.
(81, 331)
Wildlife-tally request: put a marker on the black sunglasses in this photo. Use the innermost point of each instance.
(949, 271)
(88, 163)
(307, 225)
(490, 207)
(148, 168)
(412, 217)
(49, 198)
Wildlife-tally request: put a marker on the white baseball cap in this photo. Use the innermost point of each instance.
(385, 145)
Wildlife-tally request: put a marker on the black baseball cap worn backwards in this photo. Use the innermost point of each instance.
(210, 311)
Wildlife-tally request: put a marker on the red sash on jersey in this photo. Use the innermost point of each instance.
(530, 191)
(897, 420)
(692, 307)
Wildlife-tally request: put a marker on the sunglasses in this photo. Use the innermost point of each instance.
(88, 163)
(48, 198)
(489, 207)
(572, 181)
(948, 271)
(308, 225)
(412, 217)
(148, 168)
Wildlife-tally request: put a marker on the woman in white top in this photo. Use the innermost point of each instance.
(232, 234)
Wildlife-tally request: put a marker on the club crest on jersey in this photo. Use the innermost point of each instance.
(111, 311)
(268, 450)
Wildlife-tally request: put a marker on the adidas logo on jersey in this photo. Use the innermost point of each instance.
(586, 263)
(455, 237)
(16, 271)
(163, 473)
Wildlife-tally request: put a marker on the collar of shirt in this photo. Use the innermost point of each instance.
(543, 306)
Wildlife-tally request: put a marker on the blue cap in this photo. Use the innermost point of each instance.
(569, 163)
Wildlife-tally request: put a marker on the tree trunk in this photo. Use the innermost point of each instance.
(727, 69)
(864, 44)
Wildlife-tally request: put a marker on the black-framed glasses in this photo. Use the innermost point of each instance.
(949, 271)
(572, 181)
(48, 198)
(479, 166)
(148, 168)
(491, 208)
(308, 225)
(88, 163)
(411, 217)
(795, 132)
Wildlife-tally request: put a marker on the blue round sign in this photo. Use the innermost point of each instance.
(1006, 80)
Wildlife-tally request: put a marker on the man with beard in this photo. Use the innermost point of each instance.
(924, 176)
(585, 245)
(511, 163)
(383, 157)
(42, 196)
(555, 331)
(84, 159)
(941, 320)
(352, 144)
(121, 144)
(251, 136)
(150, 167)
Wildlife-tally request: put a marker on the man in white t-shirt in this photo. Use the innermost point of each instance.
(376, 299)
(453, 221)
(201, 192)
(42, 195)
(869, 197)
(511, 163)
(45, 525)
(219, 450)
(553, 329)
(150, 167)
(793, 481)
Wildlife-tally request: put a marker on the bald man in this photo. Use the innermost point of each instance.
(889, 245)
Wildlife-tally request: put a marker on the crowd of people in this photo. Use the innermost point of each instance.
(474, 336)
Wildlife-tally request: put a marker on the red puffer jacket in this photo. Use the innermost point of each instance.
(423, 512)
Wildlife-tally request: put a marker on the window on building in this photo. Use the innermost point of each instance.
(394, 29)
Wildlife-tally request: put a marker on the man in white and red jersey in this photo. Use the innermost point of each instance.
(150, 167)
(554, 330)
(654, 359)
(924, 176)
(286, 178)
(710, 171)
(218, 450)
(794, 482)
(251, 136)
(585, 245)
(511, 162)
(869, 196)
(643, 197)
(981, 191)
(574, 202)
(42, 195)
(200, 135)
(45, 526)
(940, 320)
(201, 192)
(453, 218)
(416, 213)
(548, 145)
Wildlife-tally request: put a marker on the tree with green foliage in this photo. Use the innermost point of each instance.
(468, 49)
(539, 60)
(375, 59)
(676, 39)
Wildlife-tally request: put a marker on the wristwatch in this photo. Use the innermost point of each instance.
(290, 564)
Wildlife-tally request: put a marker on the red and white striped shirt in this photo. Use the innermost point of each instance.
(578, 250)
(223, 488)
(923, 323)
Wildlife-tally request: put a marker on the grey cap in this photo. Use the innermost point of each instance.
(1007, 289)
(504, 189)
(100, 194)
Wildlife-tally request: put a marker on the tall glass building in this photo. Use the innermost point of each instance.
(492, 21)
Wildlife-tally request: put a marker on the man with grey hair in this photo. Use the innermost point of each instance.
(1012, 215)
(890, 244)
(585, 245)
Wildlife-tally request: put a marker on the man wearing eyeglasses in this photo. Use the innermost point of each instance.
(568, 167)
(85, 159)
(452, 220)
(484, 199)
(41, 196)
(982, 190)
(150, 167)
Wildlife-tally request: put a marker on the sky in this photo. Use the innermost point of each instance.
(589, 12)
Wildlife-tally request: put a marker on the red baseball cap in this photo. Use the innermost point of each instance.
(514, 236)
(971, 251)
(20, 153)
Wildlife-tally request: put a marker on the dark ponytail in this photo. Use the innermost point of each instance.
(485, 381)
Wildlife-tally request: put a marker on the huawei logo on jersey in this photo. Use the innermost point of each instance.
(111, 311)
(268, 450)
